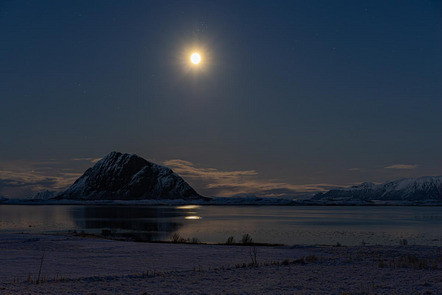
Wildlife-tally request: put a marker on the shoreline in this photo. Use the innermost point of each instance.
(245, 202)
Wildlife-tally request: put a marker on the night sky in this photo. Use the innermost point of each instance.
(290, 97)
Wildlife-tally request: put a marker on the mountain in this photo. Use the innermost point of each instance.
(407, 189)
(128, 177)
(44, 195)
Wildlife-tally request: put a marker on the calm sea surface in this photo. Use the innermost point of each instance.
(266, 224)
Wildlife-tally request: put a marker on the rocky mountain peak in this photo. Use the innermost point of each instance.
(121, 176)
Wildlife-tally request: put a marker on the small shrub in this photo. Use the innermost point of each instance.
(311, 258)
(176, 238)
(306, 259)
(195, 241)
(410, 261)
(299, 261)
(246, 239)
(230, 241)
(403, 242)
(243, 265)
(106, 232)
(285, 262)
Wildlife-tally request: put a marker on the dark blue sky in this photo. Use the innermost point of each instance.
(289, 92)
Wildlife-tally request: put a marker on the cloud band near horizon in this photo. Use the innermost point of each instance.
(402, 166)
(232, 183)
(22, 179)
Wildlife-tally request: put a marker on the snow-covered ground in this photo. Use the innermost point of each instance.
(74, 265)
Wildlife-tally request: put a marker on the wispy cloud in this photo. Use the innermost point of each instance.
(229, 183)
(22, 179)
(188, 168)
(401, 166)
(92, 160)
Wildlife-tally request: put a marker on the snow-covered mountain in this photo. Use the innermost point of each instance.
(128, 177)
(408, 189)
(44, 195)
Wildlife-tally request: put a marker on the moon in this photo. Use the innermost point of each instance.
(195, 58)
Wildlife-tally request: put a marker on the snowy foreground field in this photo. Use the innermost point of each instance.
(74, 265)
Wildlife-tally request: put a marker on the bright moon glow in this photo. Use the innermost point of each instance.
(195, 58)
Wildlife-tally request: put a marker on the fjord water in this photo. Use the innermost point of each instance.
(289, 225)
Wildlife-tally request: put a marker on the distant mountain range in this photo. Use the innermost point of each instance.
(127, 177)
(427, 188)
